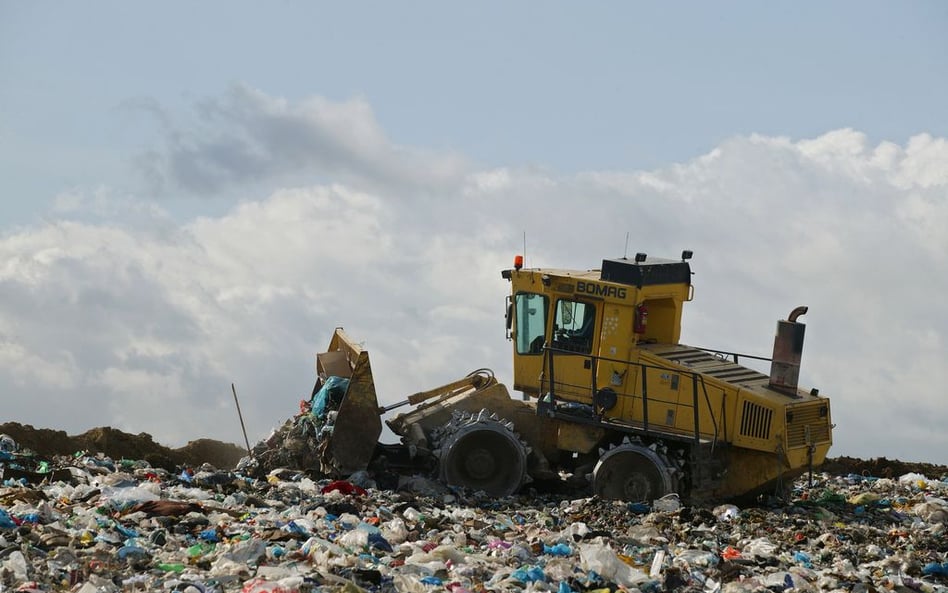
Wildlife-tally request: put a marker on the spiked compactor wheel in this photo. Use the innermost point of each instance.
(634, 473)
(482, 452)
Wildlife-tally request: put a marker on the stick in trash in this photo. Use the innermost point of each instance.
(241, 416)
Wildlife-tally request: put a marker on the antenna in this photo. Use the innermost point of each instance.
(524, 247)
(625, 255)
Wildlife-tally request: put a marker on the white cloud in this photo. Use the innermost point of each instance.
(923, 163)
(144, 326)
(29, 369)
(249, 137)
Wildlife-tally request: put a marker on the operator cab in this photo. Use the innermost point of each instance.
(577, 315)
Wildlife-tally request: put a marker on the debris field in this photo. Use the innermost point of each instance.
(89, 522)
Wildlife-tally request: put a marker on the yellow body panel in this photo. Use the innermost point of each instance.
(577, 438)
(637, 379)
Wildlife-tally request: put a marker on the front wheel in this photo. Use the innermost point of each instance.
(482, 452)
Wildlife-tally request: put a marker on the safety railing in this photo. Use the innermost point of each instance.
(734, 356)
(551, 402)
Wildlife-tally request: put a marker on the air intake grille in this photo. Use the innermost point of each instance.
(755, 421)
(814, 417)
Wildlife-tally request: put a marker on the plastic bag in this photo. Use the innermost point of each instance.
(603, 560)
(329, 396)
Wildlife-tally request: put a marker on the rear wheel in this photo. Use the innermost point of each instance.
(632, 473)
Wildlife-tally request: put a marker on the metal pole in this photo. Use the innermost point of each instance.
(552, 379)
(694, 388)
(809, 456)
(241, 416)
(644, 370)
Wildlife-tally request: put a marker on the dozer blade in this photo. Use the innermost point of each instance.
(358, 422)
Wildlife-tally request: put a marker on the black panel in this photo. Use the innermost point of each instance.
(626, 271)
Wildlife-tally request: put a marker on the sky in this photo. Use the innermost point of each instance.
(196, 195)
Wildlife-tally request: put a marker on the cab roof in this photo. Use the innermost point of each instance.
(626, 271)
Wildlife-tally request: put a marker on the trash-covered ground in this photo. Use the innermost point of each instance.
(90, 522)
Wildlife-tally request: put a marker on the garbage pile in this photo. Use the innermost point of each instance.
(302, 441)
(95, 524)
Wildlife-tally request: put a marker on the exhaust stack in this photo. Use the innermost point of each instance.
(788, 349)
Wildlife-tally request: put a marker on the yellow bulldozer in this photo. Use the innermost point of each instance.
(610, 398)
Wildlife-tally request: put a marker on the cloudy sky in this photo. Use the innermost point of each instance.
(195, 195)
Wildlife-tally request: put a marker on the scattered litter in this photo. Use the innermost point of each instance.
(89, 524)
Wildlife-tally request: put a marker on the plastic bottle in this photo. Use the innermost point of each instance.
(171, 567)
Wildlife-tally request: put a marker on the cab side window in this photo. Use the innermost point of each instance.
(574, 326)
(530, 314)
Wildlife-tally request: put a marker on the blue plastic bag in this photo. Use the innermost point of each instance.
(333, 390)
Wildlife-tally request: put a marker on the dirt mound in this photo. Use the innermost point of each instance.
(220, 455)
(880, 467)
(122, 445)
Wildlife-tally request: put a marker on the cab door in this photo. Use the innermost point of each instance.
(575, 336)
(527, 319)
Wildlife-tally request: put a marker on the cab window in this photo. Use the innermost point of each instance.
(531, 322)
(574, 326)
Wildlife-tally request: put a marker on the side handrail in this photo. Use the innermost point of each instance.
(696, 379)
(735, 356)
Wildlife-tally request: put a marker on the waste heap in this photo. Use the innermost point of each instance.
(302, 441)
(87, 523)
